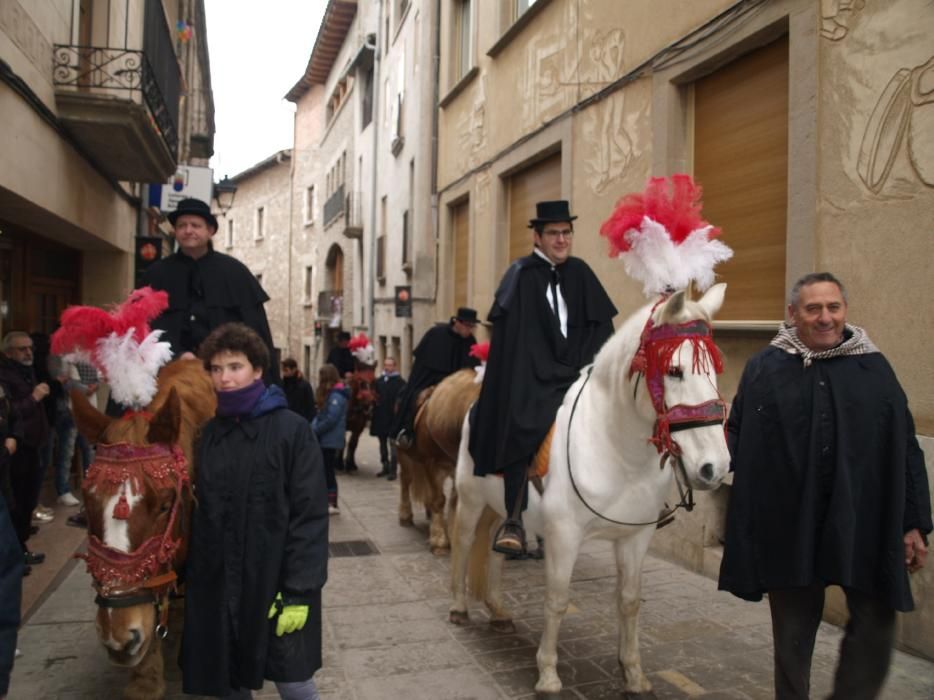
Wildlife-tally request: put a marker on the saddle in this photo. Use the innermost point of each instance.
(538, 467)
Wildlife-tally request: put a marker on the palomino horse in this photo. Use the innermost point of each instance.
(359, 409)
(430, 461)
(138, 498)
(611, 466)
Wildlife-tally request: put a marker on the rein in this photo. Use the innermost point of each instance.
(145, 575)
(653, 360)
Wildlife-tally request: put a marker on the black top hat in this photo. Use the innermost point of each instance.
(195, 207)
(465, 315)
(549, 212)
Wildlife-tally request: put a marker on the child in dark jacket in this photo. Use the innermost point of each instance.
(330, 425)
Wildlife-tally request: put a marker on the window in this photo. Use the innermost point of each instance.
(230, 233)
(405, 238)
(366, 111)
(306, 359)
(337, 99)
(398, 137)
(260, 223)
(381, 259)
(306, 287)
(310, 204)
(519, 8)
(407, 221)
(461, 46)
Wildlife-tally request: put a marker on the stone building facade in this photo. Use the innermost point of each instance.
(80, 140)
(806, 122)
(257, 231)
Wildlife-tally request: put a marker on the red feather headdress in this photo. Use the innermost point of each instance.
(661, 237)
(480, 350)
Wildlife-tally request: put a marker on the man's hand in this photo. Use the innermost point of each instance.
(40, 391)
(915, 551)
(10, 445)
(292, 617)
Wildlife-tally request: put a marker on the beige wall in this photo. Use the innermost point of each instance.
(265, 186)
(537, 94)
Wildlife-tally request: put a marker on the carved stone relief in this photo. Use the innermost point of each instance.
(471, 129)
(834, 15)
(607, 141)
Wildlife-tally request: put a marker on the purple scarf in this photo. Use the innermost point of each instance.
(239, 402)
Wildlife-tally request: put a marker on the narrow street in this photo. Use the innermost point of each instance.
(387, 636)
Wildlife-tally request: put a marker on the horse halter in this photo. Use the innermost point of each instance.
(145, 575)
(653, 359)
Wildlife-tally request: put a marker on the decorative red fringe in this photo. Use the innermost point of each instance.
(480, 350)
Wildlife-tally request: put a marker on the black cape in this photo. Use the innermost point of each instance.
(342, 359)
(785, 526)
(440, 352)
(531, 364)
(215, 289)
(260, 527)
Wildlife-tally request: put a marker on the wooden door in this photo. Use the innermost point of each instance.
(460, 251)
(538, 183)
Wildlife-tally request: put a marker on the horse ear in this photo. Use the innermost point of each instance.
(165, 425)
(672, 308)
(90, 422)
(713, 299)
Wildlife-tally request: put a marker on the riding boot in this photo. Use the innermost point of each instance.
(393, 468)
(510, 538)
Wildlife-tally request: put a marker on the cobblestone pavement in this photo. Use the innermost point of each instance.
(387, 636)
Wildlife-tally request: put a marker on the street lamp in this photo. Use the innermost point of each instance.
(224, 192)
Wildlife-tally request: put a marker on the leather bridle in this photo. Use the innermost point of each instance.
(145, 575)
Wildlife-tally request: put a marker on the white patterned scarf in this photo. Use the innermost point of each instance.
(857, 344)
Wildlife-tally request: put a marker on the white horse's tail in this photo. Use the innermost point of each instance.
(479, 558)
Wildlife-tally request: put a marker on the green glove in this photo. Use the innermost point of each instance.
(291, 617)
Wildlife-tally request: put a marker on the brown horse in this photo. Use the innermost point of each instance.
(359, 409)
(138, 497)
(430, 461)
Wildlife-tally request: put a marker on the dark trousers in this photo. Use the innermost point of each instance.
(25, 484)
(515, 481)
(387, 453)
(865, 652)
(11, 588)
(330, 463)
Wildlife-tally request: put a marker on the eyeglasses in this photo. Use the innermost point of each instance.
(554, 233)
(22, 348)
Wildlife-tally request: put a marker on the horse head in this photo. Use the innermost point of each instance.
(673, 377)
(138, 498)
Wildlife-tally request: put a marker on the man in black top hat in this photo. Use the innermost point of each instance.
(340, 355)
(550, 315)
(206, 288)
(444, 349)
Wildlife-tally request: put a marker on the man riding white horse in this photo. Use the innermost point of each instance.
(550, 316)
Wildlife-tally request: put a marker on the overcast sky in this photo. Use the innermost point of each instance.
(258, 52)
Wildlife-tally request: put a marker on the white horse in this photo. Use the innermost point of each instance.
(606, 477)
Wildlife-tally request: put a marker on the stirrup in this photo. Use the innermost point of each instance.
(512, 543)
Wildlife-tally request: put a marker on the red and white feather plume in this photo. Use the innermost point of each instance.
(482, 352)
(662, 239)
(119, 343)
(362, 349)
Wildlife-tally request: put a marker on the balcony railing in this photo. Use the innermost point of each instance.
(353, 215)
(334, 206)
(331, 306)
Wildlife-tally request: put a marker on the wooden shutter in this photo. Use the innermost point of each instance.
(538, 183)
(460, 215)
(741, 161)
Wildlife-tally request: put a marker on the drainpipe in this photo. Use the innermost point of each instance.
(374, 180)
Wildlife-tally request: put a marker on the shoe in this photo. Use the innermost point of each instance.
(43, 516)
(333, 510)
(510, 538)
(391, 477)
(384, 471)
(33, 557)
(68, 499)
(78, 520)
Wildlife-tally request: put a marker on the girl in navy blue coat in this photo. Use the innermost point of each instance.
(330, 425)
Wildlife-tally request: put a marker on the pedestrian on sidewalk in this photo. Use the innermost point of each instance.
(27, 397)
(257, 560)
(298, 391)
(388, 387)
(330, 425)
(829, 488)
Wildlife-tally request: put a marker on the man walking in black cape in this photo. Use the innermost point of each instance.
(444, 349)
(829, 487)
(206, 288)
(388, 388)
(550, 315)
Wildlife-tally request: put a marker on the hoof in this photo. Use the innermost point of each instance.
(439, 551)
(548, 687)
(407, 522)
(458, 617)
(503, 626)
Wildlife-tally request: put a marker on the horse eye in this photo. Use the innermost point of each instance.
(165, 507)
(676, 373)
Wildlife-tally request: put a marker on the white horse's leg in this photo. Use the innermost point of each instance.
(500, 617)
(467, 516)
(630, 553)
(561, 547)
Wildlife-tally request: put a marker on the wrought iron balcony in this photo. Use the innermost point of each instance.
(121, 103)
(353, 215)
(334, 206)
